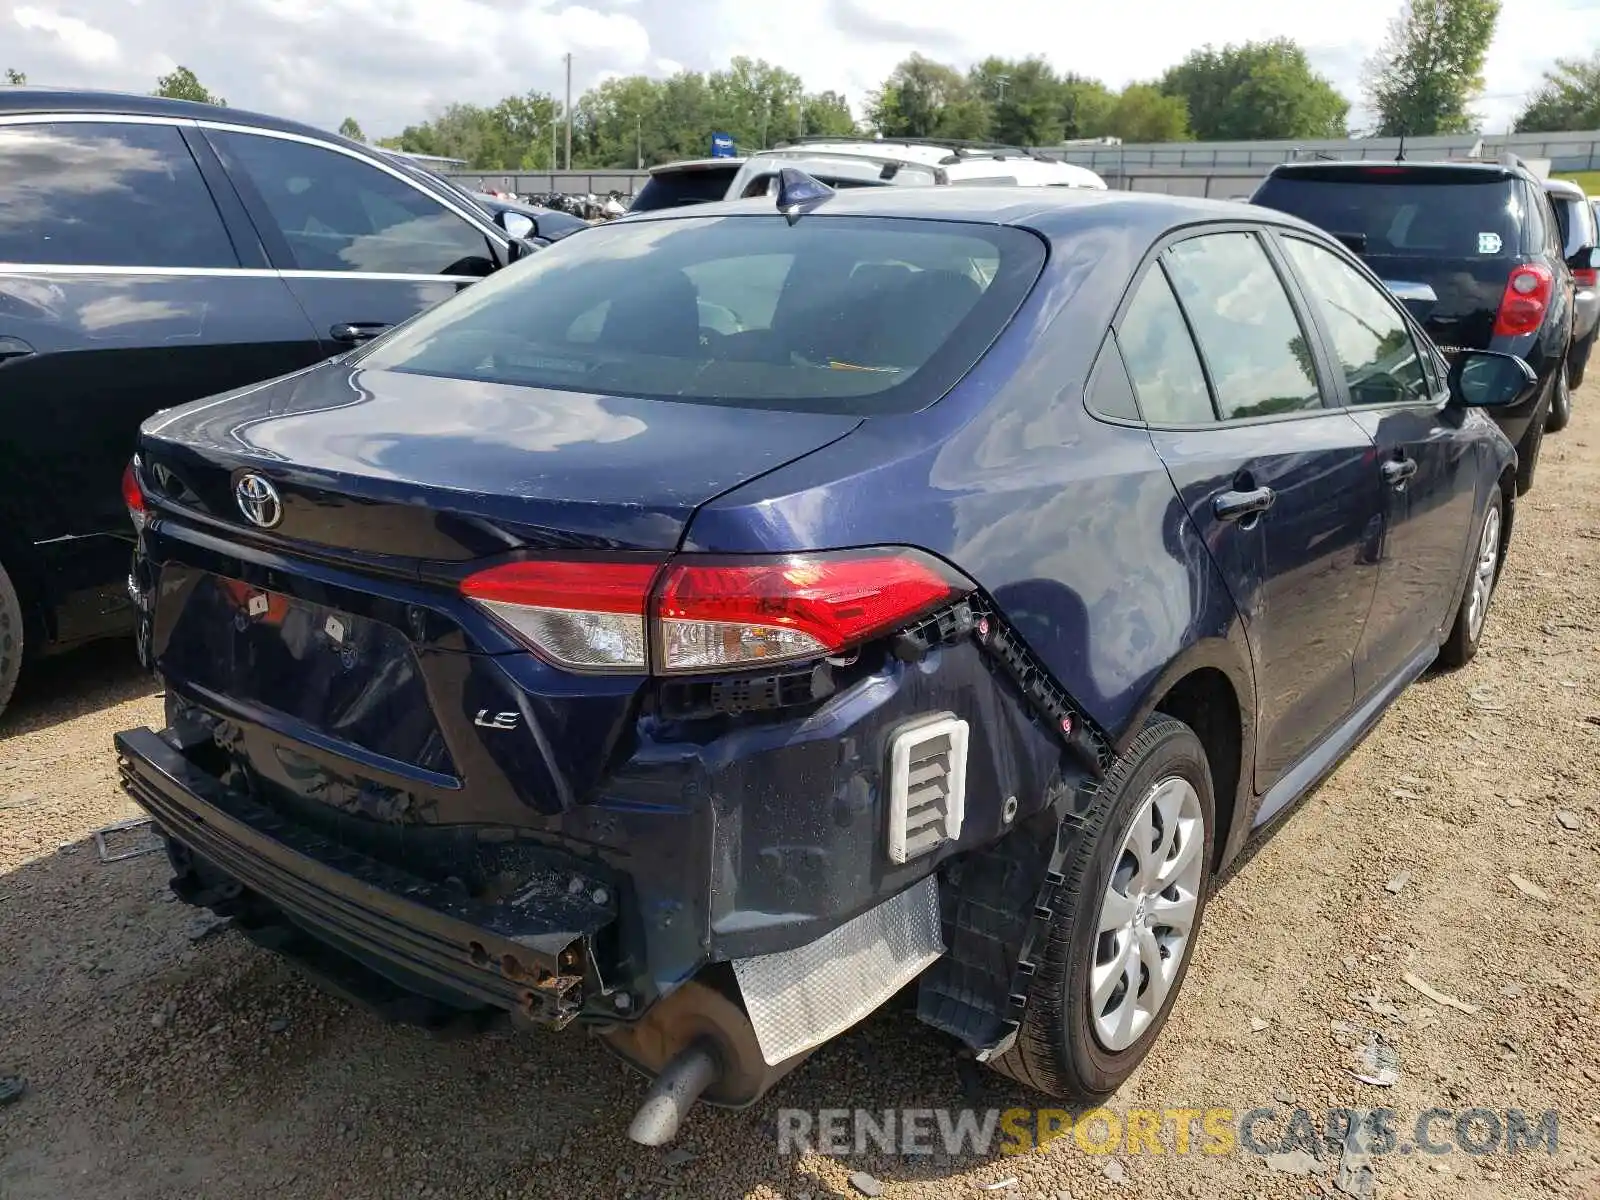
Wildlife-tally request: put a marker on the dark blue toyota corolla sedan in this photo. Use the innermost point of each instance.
(710, 625)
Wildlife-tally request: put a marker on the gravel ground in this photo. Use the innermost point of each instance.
(158, 1065)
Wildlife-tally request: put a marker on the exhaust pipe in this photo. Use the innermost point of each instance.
(674, 1093)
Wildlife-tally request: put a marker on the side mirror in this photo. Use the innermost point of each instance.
(1485, 379)
(517, 225)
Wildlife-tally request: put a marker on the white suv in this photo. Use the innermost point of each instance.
(878, 162)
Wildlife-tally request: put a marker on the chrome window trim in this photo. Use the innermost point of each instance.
(9, 268)
(487, 228)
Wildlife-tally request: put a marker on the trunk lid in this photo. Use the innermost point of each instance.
(408, 466)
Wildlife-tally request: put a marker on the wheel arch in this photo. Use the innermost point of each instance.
(1210, 688)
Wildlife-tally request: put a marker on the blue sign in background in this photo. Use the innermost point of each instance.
(722, 145)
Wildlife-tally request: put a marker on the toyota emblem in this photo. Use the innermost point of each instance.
(258, 501)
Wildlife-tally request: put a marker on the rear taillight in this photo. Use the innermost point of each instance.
(586, 615)
(707, 615)
(1586, 277)
(1526, 299)
(133, 495)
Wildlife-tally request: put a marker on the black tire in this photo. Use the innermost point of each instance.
(1462, 643)
(1057, 1050)
(10, 638)
(1578, 360)
(1560, 404)
(1532, 440)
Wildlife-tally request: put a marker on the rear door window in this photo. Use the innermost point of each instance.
(835, 314)
(339, 213)
(85, 193)
(1396, 211)
(1160, 356)
(1254, 347)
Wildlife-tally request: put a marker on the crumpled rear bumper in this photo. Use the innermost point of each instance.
(530, 954)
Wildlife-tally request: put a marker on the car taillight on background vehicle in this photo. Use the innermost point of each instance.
(714, 614)
(133, 495)
(1525, 301)
(1586, 277)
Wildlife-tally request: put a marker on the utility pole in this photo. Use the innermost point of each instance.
(1000, 82)
(569, 110)
(638, 140)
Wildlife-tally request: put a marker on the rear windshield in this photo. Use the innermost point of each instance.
(1408, 213)
(673, 189)
(854, 315)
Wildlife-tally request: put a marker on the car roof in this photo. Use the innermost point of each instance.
(1054, 212)
(15, 100)
(1345, 169)
(696, 164)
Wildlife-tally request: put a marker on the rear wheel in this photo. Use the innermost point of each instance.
(1125, 921)
(10, 638)
(1560, 404)
(1528, 447)
(1467, 632)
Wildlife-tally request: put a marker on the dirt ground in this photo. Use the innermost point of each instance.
(159, 1066)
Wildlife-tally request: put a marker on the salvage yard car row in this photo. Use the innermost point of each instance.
(717, 621)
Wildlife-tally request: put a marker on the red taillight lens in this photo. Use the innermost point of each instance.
(1526, 299)
(1586, 277)
(587, 615)
(714, 614)
(133, 495)
(714, 617)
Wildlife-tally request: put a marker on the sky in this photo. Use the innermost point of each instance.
(390, 63)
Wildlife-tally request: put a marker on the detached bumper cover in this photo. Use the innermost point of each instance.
(527, 955)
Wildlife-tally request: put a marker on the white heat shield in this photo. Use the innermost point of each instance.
(927, 785)
(798, 999)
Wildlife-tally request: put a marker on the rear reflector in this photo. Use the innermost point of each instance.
(133, 495)
(708, 615)
(1525, 301)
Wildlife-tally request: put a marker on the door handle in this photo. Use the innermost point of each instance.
(354, 332)
(1236, 506)
(14, 350)
(1397, 470)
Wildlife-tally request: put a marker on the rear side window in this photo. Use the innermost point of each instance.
(673, 189)
(1371, 340)
(1257, 353)
(108, 195)
(1576, 223)
(1402, 212)
(338, 213)
(832, 314)
(1161, 358)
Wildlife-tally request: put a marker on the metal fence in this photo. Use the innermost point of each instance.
(1219, 169)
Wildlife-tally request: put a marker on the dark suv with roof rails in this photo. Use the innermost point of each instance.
(154, 251)
(1472, 249)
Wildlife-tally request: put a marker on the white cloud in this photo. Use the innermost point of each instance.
(81, 41)
(393, 62)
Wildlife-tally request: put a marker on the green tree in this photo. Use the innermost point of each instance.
(15, 76)
(182, 85)
(1256, 90)
(922, 98)
(1569, 98)
(1430, 68)
(1144, 113)
(825, 113)
(350, 128)
(754, 101)
(1024, 98)
(1086, 106)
